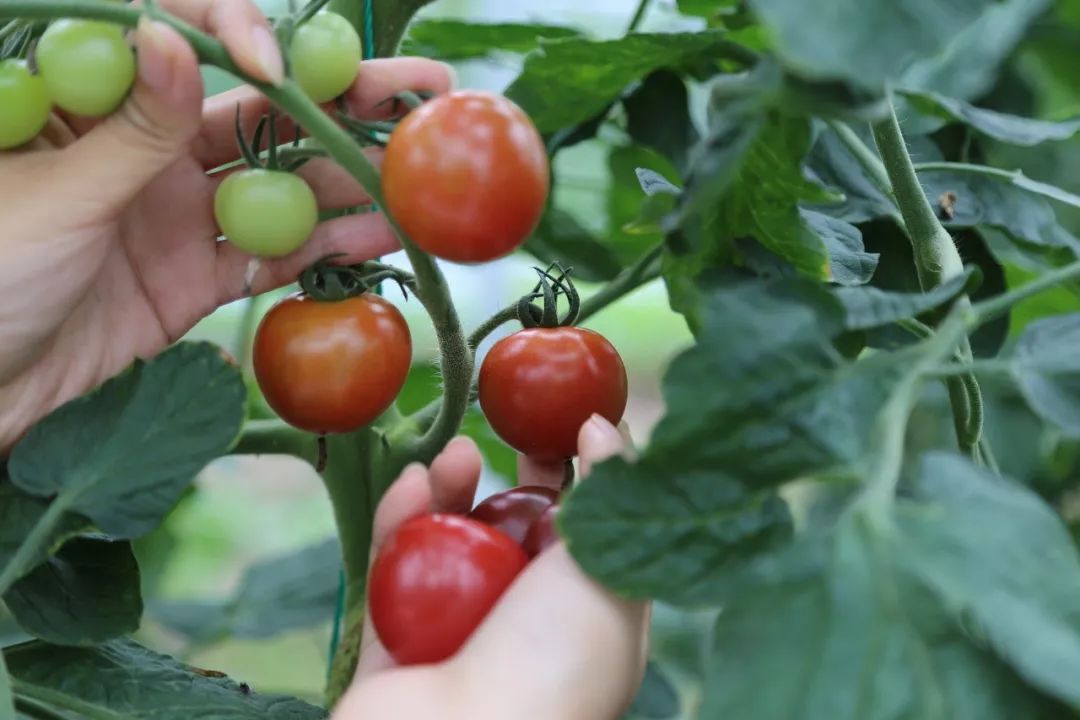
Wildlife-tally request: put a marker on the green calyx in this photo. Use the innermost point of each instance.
(326, 282)
(548, 290)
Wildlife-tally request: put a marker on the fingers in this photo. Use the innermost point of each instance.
(357, 238)
(408, 497)
(536, 472)
(598, 440)
(122, 154)
(378, 81)
(455, 473)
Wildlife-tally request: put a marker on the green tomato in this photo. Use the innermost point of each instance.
(25, 103)
(268, 213)
(87, 66)
(325, 54)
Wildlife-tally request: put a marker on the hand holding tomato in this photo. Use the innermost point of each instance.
(112, 250)
(526, 658)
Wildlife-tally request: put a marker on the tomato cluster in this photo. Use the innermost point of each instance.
(438, 576)
(84, 67)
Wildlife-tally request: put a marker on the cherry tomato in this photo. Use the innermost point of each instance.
(269, 213)
(25, 101)
(87, 65)
(514, 511)
(434, 581)
(325, 54)
(332, 367)
(539, 386)
(542, 533)
(466, 175)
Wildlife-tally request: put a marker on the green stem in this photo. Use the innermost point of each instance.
(492, 324)
(34, 546)
(645, 270)
(995, 307)
(639, 15)
(274, 437)
(866, 157)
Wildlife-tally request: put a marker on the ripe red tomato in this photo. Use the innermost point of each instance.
(539, 386)
(514, 511)
(332, 367)
(466, 175)
(542, 533)
(434, 581)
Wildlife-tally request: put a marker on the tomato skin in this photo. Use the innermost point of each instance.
(332, 367)
(466, 175)
(269, 213)
(514, 511)
(542, 533)
(25, 101)
(433, 582)
(325, 53)
(539, 386)
(88, 66)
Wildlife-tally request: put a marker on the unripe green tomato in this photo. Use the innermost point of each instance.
(88, 66)
(24, 102)
(325, 54)
(268, 213)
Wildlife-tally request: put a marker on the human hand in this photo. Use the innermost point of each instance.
(557, 646)
(108, 245)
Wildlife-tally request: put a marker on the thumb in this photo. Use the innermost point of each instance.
(114, 161)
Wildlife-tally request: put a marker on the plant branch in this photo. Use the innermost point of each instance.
(491, 325)
(645, 270)
(995, 307)
(639, 15)
(866, 157)
(275, 437)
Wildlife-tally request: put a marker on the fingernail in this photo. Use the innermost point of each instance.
(268, 54)
(155, 55)
(452, 75)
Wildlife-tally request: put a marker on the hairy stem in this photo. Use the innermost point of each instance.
(274, 437)
(492, 324)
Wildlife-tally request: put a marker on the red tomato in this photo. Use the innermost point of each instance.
(434, 581)
(515, 510)
(332, 367)
(466, 175)
(542, 533)
(539, 386)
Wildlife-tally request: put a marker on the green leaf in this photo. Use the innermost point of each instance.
(568, 81)
(462, 40)
(657, 698)
(814, 44)
(122, 679)
(123, 455)
(561, 238)
(997, 125)
(89, 592)
(869, 307)
(849, 263)
(298, 590)
(831, 164)
(7, 700)
(658, 116)
(626, 203)
(1046, 365)
(19, 514)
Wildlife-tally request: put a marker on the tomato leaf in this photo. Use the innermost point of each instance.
(1046, 365)
(830, 163)
(1000, 126)
(87, 593)
(658, 116)
(19, 514)
(869, 307)
(298, 590)
(460, 40)
(561, 238)
(568, 81)
(124, 454)
(124, 679)
(849, 263)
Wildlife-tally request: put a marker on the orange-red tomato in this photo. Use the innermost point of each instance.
(332, 367)
(466, 176)
(539, 386)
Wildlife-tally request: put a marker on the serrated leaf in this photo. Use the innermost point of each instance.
(298, 590)
(869, 307)
(1000, 126)
(568, 81)
(461, 40)
(815, 44)
(1046, 365)
(89, 592)
(123, 455)
(122, 679)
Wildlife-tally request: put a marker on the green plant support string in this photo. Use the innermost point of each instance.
(339, 605)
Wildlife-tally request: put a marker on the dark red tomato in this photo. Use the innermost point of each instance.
(539, 386)
(434, 581)
(515, 510)
(466, 175)
(542, 533)
(332, 367)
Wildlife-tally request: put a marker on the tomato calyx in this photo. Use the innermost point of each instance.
(549, 289)
(250, 151)
(377, 132)
(326, 282)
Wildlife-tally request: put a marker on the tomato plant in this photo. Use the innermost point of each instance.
(434, 581)
(325, 55)
(514, 511)
(467, 176)
(87, 66)
(25, 101)
(539, 386)
(332, 366)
